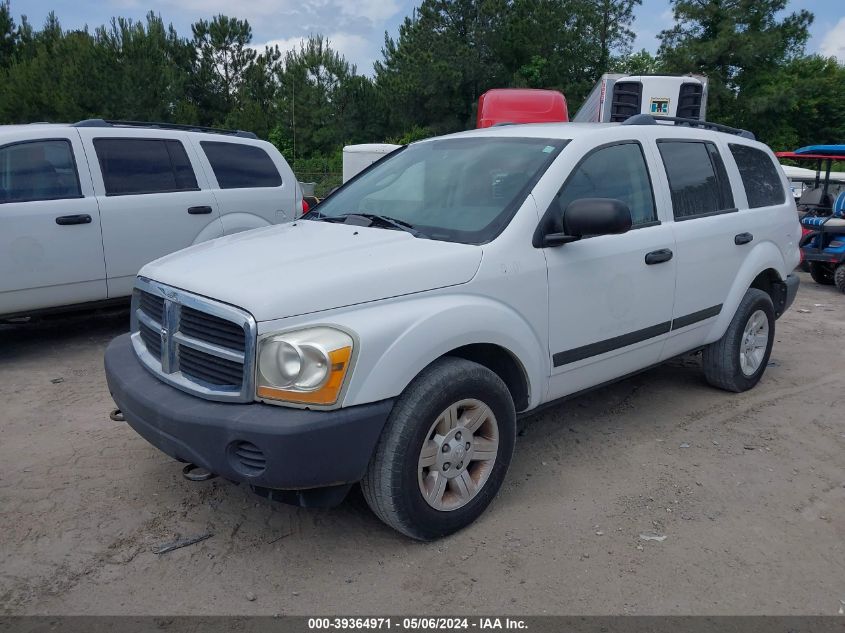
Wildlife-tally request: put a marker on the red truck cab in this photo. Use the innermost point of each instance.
(521, 105)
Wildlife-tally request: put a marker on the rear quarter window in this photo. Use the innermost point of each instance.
(759, 175)
(238, 166)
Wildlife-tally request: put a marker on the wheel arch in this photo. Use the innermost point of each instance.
(502, 363)
(762, 269)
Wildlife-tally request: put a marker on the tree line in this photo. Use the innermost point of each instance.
(311, 101)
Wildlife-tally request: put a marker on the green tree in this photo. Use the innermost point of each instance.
(223, 57)
(741, 45)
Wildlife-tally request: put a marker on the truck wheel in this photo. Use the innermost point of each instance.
(821, 273)
(737, 360)
(444, 451)
(839, 277)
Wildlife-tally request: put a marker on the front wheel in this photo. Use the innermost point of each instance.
(444, 451)
(736, 361)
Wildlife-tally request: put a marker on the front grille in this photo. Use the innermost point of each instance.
(199, 345)
(152, 340)
(153, 306)
(211, 329)
(209, 368)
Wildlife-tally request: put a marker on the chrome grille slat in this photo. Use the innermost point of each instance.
(196, 344)
(211, 329)
(205, 367)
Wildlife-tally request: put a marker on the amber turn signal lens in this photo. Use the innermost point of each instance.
(325, 395)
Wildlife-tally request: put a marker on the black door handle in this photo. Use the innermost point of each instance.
(199, 210)
(82, 218)
(743, 238)
(658, 257)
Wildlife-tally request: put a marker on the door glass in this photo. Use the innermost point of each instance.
(139, 165)
(619, 172)
(695, 188)
(238, 166)
(38, 170)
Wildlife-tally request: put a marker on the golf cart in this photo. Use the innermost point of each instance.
(821, 210)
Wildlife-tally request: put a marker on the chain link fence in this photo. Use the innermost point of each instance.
(323, 182)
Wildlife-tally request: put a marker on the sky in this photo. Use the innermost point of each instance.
(356, 27)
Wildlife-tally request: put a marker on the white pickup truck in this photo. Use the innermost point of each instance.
(456, 284)
(84, 206)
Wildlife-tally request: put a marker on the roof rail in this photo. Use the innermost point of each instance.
(649, 119)
(163, 126)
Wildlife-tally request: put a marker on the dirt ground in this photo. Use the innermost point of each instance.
(748, 489)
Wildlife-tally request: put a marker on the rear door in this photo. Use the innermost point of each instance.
(154, 199)
(708, 231)
(254, 185)
(51, 249)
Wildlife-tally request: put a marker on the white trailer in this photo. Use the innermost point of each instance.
(356, 158)
(617, 96)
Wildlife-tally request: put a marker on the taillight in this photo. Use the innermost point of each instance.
(305, 207)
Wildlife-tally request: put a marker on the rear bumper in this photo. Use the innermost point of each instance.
(784, 294)
(268, 447)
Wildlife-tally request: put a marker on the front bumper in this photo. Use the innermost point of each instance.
(268, 447)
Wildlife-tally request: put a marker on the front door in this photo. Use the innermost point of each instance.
(610, 296)
(51, 250)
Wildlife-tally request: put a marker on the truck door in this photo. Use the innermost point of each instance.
(153, 199)
(51, 249)
(610, 296)
(708, 231)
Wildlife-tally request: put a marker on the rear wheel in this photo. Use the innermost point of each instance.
(821, 273)
(444, 451)
(839, 277)
(736, 362)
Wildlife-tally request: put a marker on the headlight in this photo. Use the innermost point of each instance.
(306, 366)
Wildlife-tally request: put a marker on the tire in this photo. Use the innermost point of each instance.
(839, 277)
(396, 476)
(821, 273)
(723, 362)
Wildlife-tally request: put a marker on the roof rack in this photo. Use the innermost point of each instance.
(163, 126)
(649, 119)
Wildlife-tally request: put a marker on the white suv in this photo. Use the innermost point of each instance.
(453, 286)
(84, 206)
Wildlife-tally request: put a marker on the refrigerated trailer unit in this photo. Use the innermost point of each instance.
(617, 96)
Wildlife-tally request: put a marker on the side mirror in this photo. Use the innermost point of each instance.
(592, 216)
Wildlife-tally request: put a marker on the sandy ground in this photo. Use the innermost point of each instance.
(749, 491)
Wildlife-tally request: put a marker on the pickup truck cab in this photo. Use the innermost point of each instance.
(456, 284)
(83, 207)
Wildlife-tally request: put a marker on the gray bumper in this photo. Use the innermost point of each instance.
(265, 446)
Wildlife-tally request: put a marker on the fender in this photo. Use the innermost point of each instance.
(405, 337)
(237, 222)
(763, 256)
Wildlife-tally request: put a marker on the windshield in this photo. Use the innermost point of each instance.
(454, 189)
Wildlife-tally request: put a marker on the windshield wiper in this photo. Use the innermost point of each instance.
(384, 220)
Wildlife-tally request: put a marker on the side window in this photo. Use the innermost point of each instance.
(759, 176)
(239, 166)
(139, 165)
(697, 178)
(617, 171)
(38, 170)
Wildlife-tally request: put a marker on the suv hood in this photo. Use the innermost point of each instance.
(307, 266)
